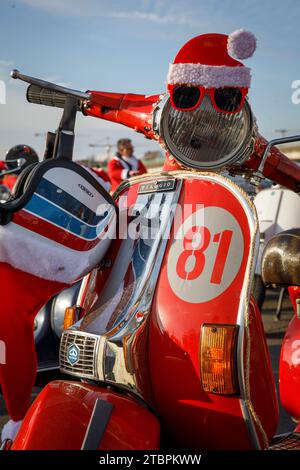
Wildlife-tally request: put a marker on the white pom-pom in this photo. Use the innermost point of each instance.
(241, 44)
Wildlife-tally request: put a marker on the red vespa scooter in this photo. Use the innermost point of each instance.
(171, 349)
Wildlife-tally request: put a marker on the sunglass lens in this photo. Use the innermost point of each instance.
(228, 99)
(185, 97)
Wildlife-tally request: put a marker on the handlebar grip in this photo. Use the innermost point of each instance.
(38, 95)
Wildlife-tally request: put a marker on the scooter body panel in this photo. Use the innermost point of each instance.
(289, 366)
(59, 418)
(188, 297)
(150, 304)
(262, 385)
(277, 209)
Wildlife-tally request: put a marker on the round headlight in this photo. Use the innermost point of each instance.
(205, 138)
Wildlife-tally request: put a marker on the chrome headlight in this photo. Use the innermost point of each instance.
(205, 138)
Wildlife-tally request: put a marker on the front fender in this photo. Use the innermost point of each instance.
(59, 417)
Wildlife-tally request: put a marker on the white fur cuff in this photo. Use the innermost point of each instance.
(37, 255)
(10, 429)
(209, 76)
(124, 174)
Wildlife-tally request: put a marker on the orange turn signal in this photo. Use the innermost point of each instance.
(72, 315)
(218, 359)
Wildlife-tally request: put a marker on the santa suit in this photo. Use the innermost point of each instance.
(29, 279)
(119, 167)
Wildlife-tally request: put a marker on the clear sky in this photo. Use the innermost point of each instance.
(126, 46)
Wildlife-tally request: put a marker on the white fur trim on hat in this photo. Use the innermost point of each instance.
(241, 44)
(209, 76)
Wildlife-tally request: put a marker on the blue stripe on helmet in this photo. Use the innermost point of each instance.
(54, 214)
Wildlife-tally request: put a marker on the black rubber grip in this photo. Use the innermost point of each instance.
(39, 95)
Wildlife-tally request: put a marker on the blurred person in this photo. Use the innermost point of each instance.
(124, 164)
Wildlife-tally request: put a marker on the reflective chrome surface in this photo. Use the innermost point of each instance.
(50, 86)
(119, 316)
(278, 141)
(205, 138)
(119, 319)
(87, 346)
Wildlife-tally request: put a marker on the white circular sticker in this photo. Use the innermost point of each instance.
(205, 255)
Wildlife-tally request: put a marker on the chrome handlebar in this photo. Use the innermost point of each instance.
(50, 86)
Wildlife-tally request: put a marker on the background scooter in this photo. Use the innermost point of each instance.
(278, 210)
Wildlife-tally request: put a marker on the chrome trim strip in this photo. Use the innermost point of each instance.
(82, 289)
(119, 345)
(115, 348)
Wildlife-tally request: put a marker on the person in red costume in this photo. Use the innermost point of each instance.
(124, 164)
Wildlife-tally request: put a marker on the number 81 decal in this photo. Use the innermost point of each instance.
(206, 255)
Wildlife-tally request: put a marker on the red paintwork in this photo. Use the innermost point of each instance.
(191, 417)
(278, 167)
(169, 377)
(289, 367)
(135, 111)
(9, 181)
(59, 417)
(262, 384)
(174, 348)
(132, 110)
(297, 429)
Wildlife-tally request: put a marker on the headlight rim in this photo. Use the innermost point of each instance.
(241, 153)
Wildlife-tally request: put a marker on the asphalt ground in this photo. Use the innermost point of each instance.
(274, 330)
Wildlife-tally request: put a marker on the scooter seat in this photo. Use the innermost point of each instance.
(281, 259)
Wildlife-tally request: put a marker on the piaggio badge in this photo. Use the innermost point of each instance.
(73, 354)
(157, 186)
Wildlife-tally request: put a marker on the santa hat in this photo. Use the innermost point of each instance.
(210, 61)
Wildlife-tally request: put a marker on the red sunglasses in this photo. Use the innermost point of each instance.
(225, 100)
